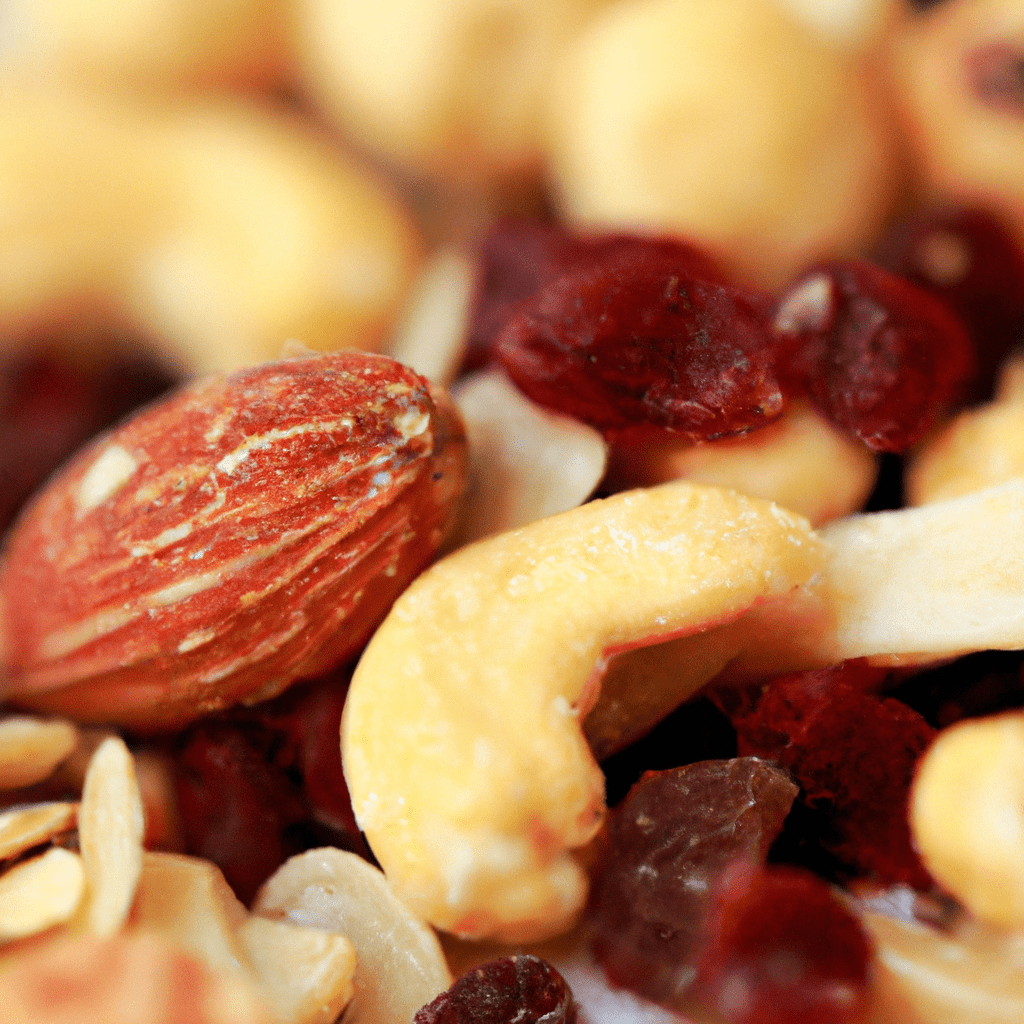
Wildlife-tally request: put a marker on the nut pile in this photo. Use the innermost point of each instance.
(602, 416)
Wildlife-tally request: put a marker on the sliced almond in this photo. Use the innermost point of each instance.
(307, 973)
(30, 749)
(40, 893)
(110, 830)
(21, 828)
(399, 962)
(187, 900)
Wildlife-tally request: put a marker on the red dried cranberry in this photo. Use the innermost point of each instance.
(972, 262)
(668, 841)
(853, 754)
(646, 339)
(781, 949)
(877, 355)
(512, 990)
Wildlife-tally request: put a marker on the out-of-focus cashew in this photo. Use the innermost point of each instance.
(800, 461)
(451, 86)
(980, 448)
(159, 43)
(727, 121)
(525, 462)
(30, 748)
(214, 230)
(967, 815)
(462, 736)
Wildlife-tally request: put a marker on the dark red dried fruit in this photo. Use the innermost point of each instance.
(853, 754)
(668, 842)
(781, 949)
(512, 990)
(877, 355)
(647, 341)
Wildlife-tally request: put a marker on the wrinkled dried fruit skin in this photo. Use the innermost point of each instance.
(649, 339)
(524, 989)
(668, 842)
(877, 355)
(782, 949)
(247, 531)
(853, 754)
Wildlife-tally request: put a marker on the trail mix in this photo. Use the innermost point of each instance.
(602, 416)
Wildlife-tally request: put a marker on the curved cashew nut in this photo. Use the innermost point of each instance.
(462, 734)
(213, 229)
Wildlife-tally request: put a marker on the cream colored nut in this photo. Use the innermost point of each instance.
(955, 69)
(214, 229)
(187, 900)
(451, 87)
(399, 962)
(110, 829)
(21, 828)
(525, 462)
(306, 972)
(853, 23)
(461, 736)
(727, 121)
(967, 815)
(127, 979)
(981, 447)
(154, 43)
(800, 461)
(40, 893)
(31, 748)
(974, 975)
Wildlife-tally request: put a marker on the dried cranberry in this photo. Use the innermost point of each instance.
(879, 356)
(853, 754)
(972, 262)
(781, 949)
(646, 339)
(668, 841)
(512, 990)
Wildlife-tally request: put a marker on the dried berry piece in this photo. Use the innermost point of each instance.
(648, 339)
(852, 753)
(879, 356)
(668, 842)
(781, 949)
(972, 262)
(524, 989)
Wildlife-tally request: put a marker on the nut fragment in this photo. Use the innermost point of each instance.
(306, 972)
(399, 963)
(21, 828)
(30, 749)
(482, 672)
(246, 531)
(39, 893)
(110, 829)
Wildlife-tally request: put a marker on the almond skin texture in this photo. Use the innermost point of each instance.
(250, 530)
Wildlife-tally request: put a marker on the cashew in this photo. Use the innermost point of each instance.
(462, 737)
(967, 815)
(214, 230)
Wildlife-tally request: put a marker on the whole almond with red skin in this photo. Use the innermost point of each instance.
(249, 530)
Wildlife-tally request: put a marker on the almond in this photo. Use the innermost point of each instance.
(249, 530)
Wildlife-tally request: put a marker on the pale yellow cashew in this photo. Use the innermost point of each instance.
(462, 732)
(214, 230)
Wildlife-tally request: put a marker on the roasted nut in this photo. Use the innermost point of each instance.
(39, 893)
(30, 749)
(967, 815)
(215, 230)
(486, 666)
(399, 963)
(247, 531)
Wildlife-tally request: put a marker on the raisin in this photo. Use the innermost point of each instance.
(647, 339)
(781, 949)
(853, 754)
(879, 356)
(520, 989)
(667, 843)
